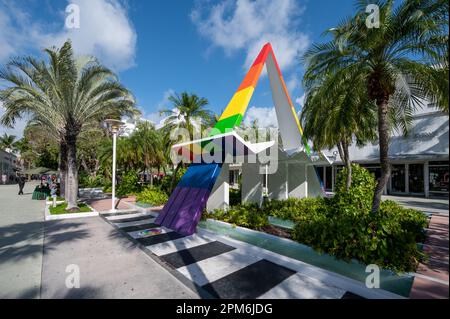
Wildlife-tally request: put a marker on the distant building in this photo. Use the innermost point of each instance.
(9, 164)
(420, 161)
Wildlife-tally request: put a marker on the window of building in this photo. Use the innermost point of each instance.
(398, 179)
(234, 177)
(319, 170)
(329, 178)
(374, 170)
(415, 178)
(439, 177)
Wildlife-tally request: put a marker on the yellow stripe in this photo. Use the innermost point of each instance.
(238, 103)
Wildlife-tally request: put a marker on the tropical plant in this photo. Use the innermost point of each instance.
(8, 142)
(64, 95)
(188, 114)
(147, 143)
(336, 111)
(153, 196)
(402, 62)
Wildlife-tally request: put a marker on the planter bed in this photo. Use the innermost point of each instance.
(87, 211)
(399, 284)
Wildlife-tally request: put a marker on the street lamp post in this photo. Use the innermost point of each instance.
(114, 126)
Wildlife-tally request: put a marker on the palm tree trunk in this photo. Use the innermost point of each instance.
(62, 168)
(72, 173)
(383, 134)
(341, 152)
(348, 164)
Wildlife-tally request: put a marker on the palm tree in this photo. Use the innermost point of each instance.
(188, 112)
(402, 62)
(8, 142)
(336, 111)
(64, 95)
(147, 144)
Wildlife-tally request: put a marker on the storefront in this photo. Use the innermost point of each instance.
(426, 179)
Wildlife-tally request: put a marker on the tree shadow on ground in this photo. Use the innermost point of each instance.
(128, 242)
(25, 240)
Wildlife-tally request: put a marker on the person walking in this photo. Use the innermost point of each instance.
(21, 184)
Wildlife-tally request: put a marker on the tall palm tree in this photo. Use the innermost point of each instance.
(8, 141)
(147, 144)
(189, 113)
(402, 62)
(63, 95)
(336, 112)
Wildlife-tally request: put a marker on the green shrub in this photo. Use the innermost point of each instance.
(153, 196)
(87, 181)
(129, 184)
(294, 208)
(166, 181)
(246, 215)
(359, 196)
(107, 188)
(387, 238)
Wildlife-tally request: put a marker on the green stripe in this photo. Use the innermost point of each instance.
(228, 123)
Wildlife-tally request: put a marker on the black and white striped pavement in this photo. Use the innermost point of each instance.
(226, 268)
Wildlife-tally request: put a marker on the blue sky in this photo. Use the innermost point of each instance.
(161, 47)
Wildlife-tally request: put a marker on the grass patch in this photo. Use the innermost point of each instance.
(58, 199)
(61, 209)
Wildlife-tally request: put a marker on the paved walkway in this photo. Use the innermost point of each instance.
(34, 256)
(220, 267)
(431, 279)
(109, 265)
(21, 241)
(428, 205)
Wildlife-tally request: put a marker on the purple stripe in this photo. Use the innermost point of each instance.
(160, 219)
(189, 216)
(174, 209)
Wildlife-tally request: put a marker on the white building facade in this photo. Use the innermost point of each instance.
(420, 160)
(9, 164)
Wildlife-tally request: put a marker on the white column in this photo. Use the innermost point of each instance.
(407, 178)
(426, 179)
(333, 177)
(286, 167)
(114, 173)
(306, 180)
(219, 197)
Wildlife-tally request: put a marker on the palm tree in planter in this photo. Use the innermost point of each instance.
(401, 61)
(336, 112)
(64, 95)
(188, 113)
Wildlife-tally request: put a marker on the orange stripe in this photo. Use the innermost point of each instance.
(251, 79)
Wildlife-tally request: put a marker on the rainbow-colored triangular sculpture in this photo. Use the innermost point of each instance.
(185, 206)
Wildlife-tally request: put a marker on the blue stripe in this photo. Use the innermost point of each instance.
(200, 176)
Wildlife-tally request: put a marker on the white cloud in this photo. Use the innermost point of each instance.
(163, 104)
(266, 116)
(293, 83)
(301, 100)
(105, 31)
(247, 25)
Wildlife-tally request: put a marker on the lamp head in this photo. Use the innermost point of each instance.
(114, 125)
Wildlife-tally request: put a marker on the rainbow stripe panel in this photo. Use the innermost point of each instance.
(235, 110)
(186, 203)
